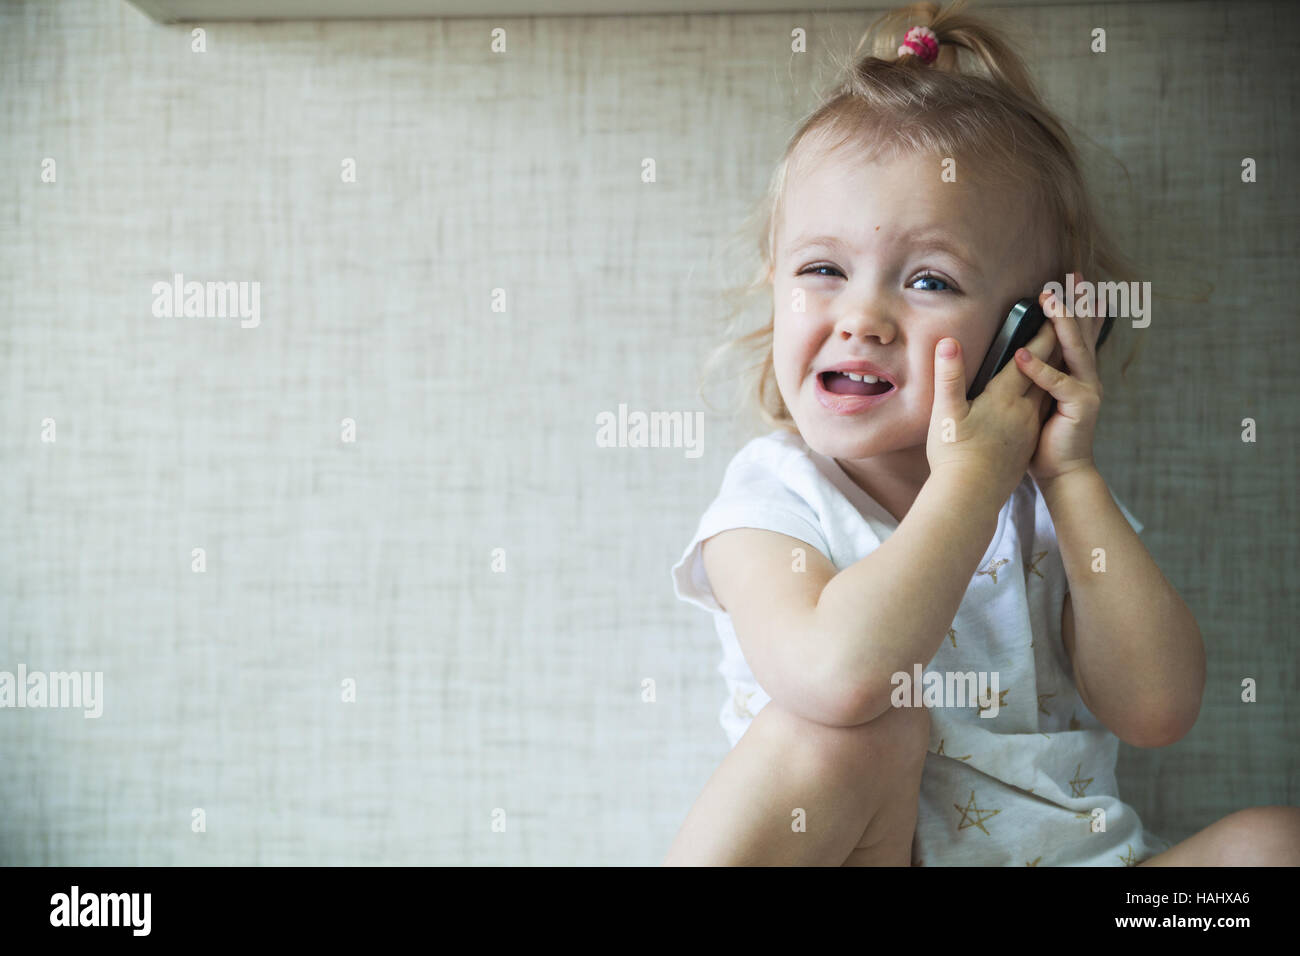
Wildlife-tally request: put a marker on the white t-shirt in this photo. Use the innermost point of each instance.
(1017, 789)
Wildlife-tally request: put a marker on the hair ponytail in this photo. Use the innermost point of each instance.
(987, 51)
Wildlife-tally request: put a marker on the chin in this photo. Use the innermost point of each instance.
(852, 441)
(853, 438)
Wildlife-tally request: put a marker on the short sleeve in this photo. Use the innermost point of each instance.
(751, 497)
(1136, 525)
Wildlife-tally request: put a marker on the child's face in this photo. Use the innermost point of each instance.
(881, 289)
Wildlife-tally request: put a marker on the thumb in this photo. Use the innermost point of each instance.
(949, 382)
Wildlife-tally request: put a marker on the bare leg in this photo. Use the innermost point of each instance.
(858, 787)
(1256, 836)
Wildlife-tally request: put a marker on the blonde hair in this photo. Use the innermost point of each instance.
(974, 103)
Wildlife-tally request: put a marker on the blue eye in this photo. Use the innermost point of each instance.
(929, 277)
(814, 269)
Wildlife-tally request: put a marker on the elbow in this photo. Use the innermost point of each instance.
(1172, 718)
(1165, 729)
(820, 693)
(1176, 719)
(857, 686)
(863, 700)
(1147, 738)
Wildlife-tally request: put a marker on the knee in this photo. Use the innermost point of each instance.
(1261, 836)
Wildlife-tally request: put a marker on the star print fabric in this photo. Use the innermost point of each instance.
(1033, 784)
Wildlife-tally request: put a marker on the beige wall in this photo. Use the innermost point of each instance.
(372, 560)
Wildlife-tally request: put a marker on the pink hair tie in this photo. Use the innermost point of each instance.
(921, 43)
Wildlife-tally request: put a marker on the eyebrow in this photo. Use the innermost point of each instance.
(926, 239)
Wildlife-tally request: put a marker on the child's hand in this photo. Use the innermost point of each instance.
(991, 439)
(1065, 442)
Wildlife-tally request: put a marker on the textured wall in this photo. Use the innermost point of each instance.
(372, 560)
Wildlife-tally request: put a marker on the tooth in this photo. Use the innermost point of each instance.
(870, 379)
(855, 377)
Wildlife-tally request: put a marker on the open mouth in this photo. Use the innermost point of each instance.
(847, 383)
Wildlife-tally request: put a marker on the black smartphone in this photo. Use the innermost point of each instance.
(1022, 324)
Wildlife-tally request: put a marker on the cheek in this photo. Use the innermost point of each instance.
(974, 344)
(972, 354)
(789, 345)
(921, 380)
(921, 383)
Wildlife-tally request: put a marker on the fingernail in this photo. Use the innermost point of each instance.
(1023, 354)
(948, 348)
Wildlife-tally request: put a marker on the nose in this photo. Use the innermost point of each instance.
(865, 321)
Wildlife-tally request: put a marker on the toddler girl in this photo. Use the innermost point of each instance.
(889, 527)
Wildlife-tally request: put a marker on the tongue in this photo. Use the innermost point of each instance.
(841, 384)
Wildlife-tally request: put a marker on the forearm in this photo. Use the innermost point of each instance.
(1138, 652)
(892, 609)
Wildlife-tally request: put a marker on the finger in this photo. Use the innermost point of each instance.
(1043, 346)
(1046, 403)
(1091, 329)
(949, 383)
(1046, 408)
(1080, 360)
(1008, 380)
(1055, 359)
(1062, 387)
